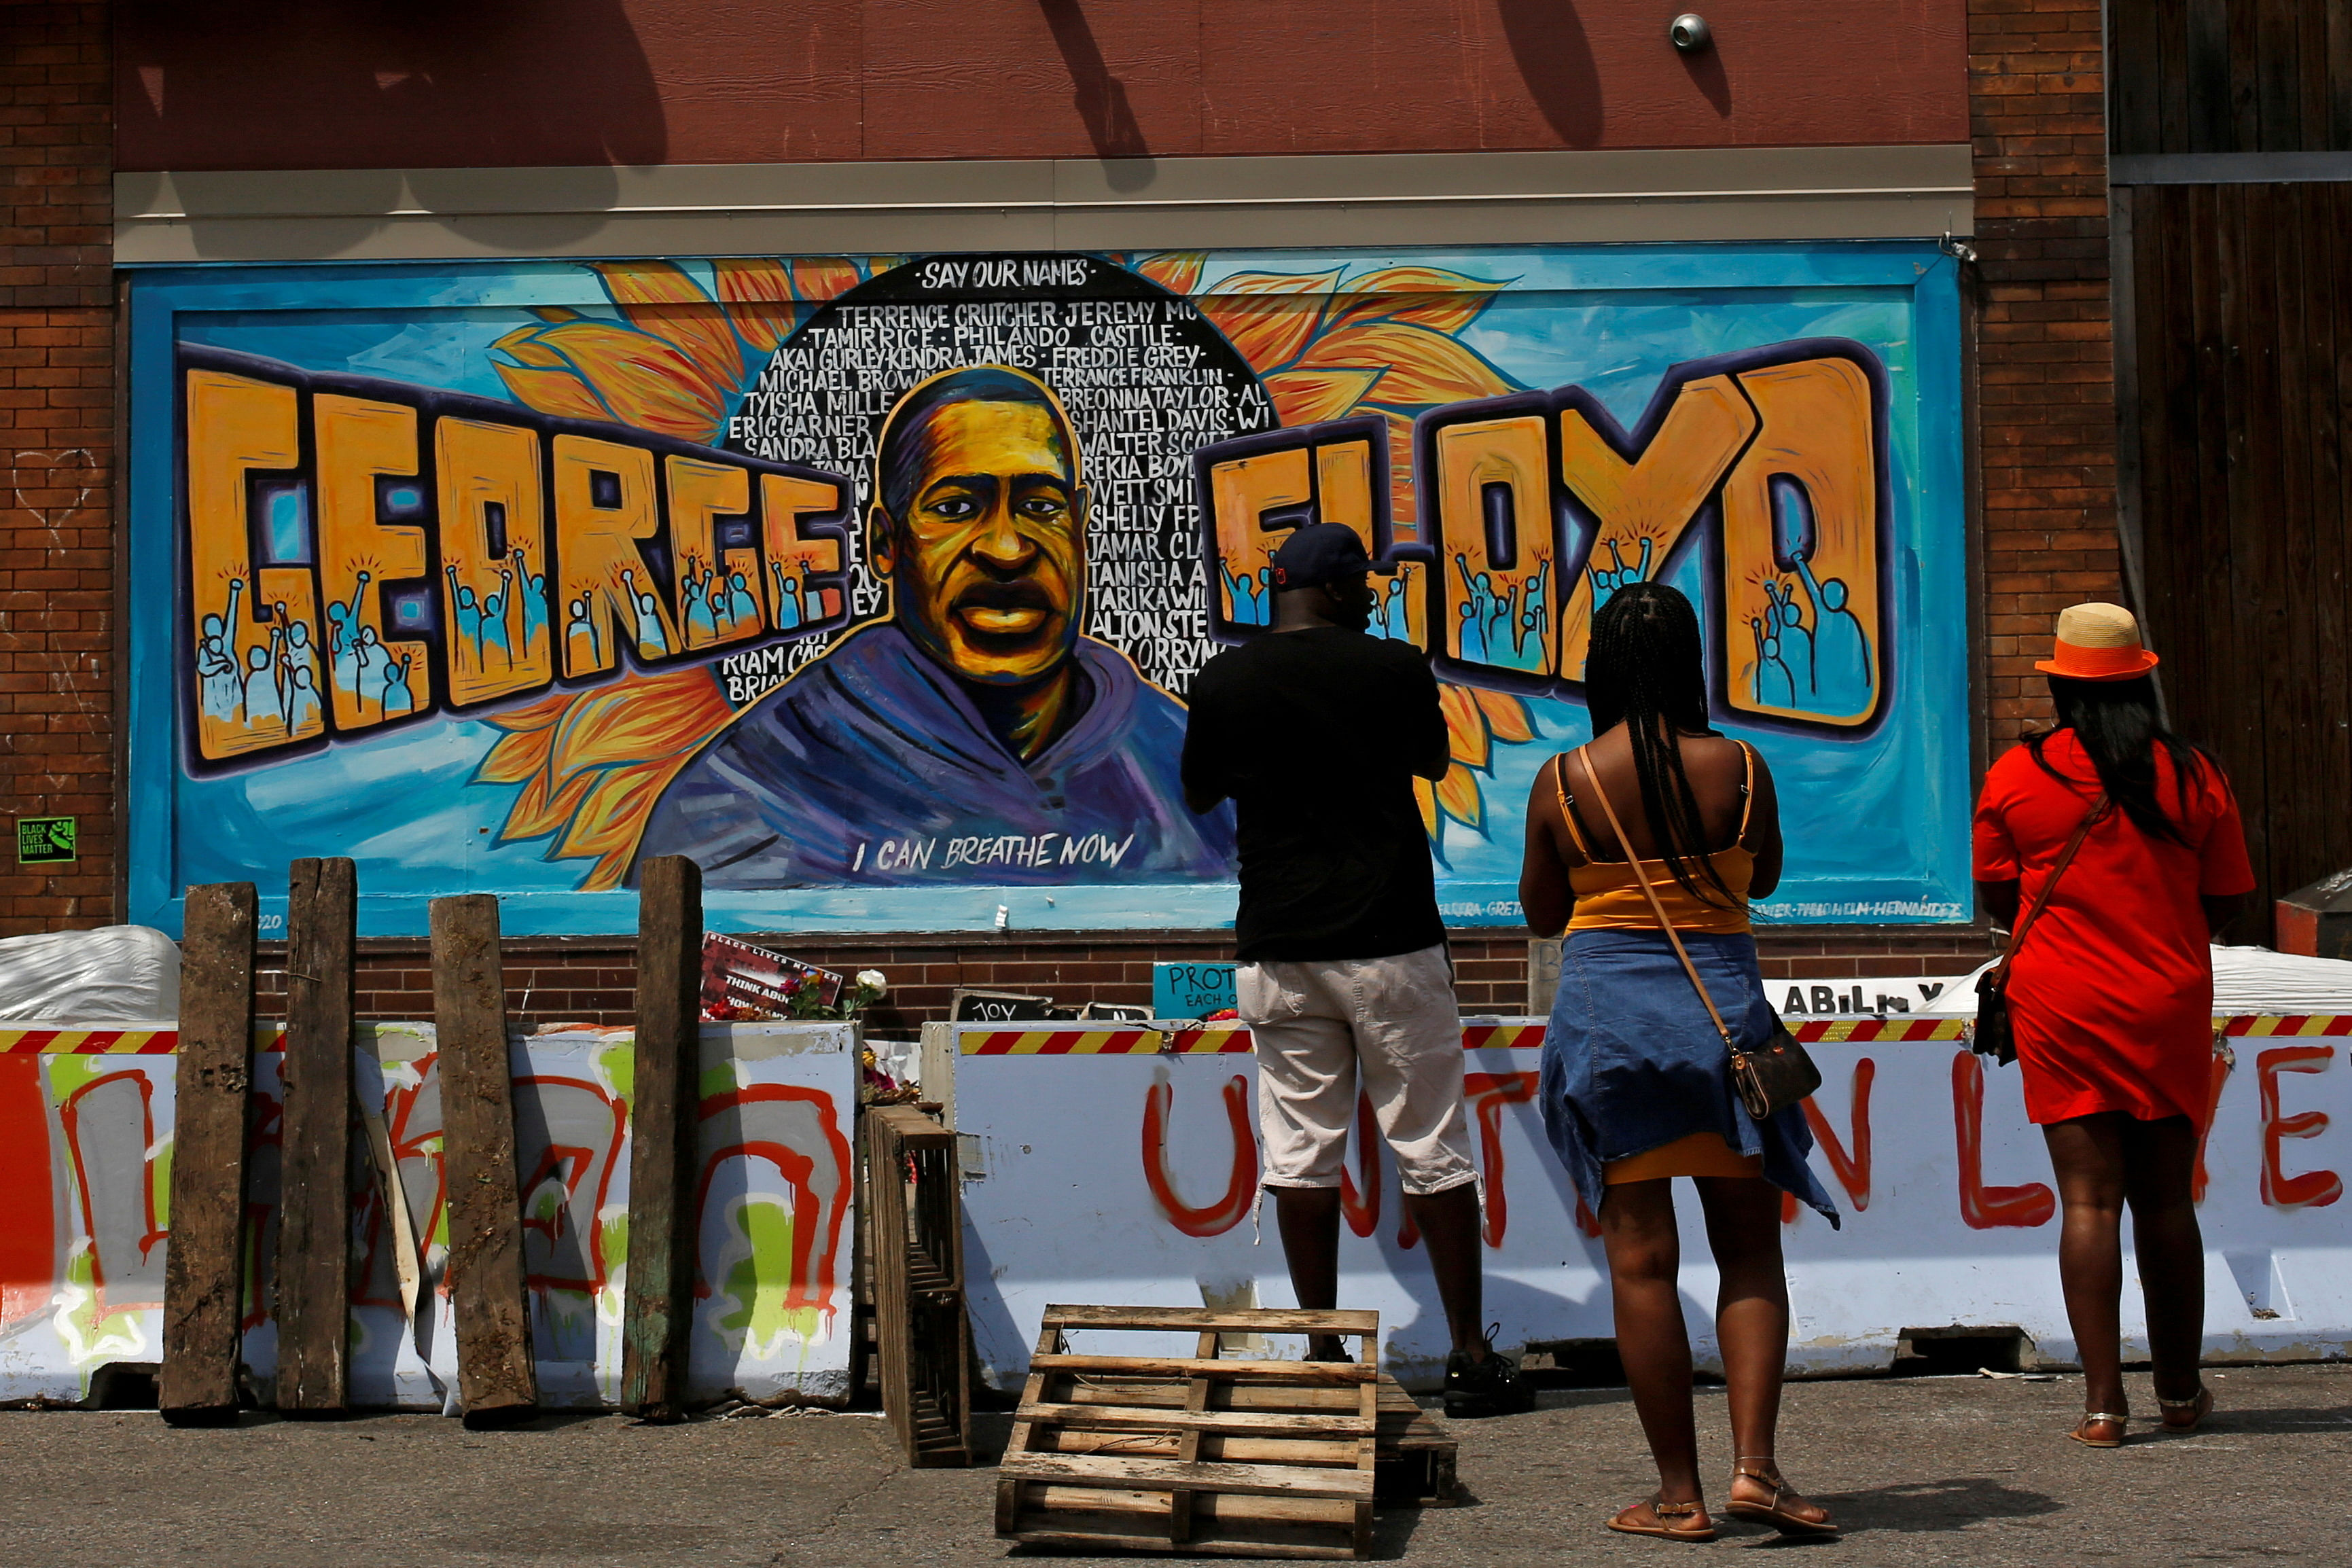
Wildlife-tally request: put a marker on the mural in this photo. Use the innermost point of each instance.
(875, 584)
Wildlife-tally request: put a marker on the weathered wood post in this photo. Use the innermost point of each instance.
(315, 1211)
(657, 1312)
(497, 1384)
(204, 1273)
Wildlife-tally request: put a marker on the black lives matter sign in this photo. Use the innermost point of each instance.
(1145, 378)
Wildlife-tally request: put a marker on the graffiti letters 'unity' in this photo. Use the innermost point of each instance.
(1536, 507)
(358, 553)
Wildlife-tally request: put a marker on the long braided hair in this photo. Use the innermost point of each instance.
(1645, 669)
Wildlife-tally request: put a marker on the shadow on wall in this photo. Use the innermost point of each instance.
(1555, 60)
(277, 84)
(1101, 97)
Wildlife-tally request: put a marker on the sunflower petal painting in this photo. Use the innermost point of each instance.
(508, 576)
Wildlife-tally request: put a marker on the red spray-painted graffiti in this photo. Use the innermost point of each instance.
(2218, 1080)
(564, 1247)
(1361, 1206)
(1852, 1169)
(1487, 1093)
(820, 1197)
(29, 1264)
(121, 1255)
(2312, 1189)
(1984, 1207)
(1240, 1188)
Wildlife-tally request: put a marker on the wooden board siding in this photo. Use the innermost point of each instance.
(2242, 333)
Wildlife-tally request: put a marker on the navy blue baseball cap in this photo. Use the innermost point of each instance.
(1323, 552)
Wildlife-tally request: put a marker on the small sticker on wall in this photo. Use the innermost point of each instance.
(44, 838)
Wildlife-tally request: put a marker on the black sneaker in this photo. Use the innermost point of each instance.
(1493, 1386)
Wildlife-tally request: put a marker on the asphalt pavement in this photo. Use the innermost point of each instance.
(1922, 1470)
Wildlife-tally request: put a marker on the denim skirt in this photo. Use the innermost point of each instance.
(1631, 1062)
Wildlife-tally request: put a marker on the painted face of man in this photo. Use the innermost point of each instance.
(988, 562)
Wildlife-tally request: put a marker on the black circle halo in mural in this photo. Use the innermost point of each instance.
(1144, 378)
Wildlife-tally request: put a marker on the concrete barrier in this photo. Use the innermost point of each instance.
(85, 1151)
(1121, 1166)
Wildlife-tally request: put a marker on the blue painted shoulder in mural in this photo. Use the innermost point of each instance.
(870, 766)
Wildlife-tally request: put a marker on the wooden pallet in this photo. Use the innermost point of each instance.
(1416, 1466)
(1195, 1454)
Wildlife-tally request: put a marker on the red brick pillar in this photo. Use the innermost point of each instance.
(2045, 369)
(57, 444)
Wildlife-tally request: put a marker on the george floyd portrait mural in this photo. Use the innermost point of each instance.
(876, 585)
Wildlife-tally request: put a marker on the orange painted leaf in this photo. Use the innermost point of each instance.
(1305, 396)
(1423, 296)
(823, 277)
(661, 298)
(524, 346)
(1174, 271)
(1507, 716)
(1423, 367)
(556, 314)
(1458, 796)
(1268, 316)
(612, 816)
(644, 379)
(535, 812)
(517, 755)
(1425, 796)
(758, 294)
(1466, 726)
(556, 392)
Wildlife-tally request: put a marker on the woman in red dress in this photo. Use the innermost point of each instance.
(2111, 992)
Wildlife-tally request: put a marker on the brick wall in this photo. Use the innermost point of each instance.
(592, 979)
(56, 443)
(2045, 373)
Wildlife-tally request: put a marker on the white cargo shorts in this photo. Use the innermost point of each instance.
(1323, 1027)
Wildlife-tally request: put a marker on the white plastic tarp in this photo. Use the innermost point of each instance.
(113, 974)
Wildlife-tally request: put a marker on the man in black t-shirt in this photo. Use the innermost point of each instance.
(1316, 732)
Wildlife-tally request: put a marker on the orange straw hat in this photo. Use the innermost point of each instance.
(2097, 642)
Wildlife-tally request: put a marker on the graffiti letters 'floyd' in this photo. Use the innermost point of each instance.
(869, 580)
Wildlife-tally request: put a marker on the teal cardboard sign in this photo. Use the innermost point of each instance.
(1190, 990)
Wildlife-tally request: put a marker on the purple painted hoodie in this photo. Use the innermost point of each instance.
(870, 767)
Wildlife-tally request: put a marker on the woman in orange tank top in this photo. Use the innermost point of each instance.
(1636, 1083)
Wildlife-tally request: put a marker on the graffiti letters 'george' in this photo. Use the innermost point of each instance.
(358, 553)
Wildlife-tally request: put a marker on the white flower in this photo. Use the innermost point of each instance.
(874, 980)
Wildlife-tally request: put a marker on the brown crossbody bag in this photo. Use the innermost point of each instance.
(1994, 1035)
(1768, 1078)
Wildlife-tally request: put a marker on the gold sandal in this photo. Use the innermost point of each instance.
(2184, 1414)
(2101, 1418)
(1661, 1511)
(1775, 1513)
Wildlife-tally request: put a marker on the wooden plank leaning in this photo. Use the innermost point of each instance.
(920, 1327)
(204, 1272)
(657, 1309)
(497, 1384)
(315, 1209)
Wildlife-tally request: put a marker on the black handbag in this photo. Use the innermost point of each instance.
(1768, 1078)
(1994, 1035)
